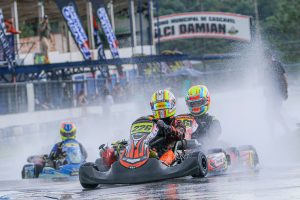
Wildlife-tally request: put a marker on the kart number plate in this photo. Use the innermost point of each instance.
(186, 122)
(141, 128)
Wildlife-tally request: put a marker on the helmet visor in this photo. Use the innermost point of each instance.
(197, 103)
(67, 135)
(161, 105)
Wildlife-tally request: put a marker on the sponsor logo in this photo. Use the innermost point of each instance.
(102, 15)
(233, 31)
(4, 42)
(77, 30)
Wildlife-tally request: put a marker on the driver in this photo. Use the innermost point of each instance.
(199, 124)
(67, 133)
(163, 106)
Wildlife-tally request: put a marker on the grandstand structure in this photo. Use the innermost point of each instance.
(133, 30)
(35, 86)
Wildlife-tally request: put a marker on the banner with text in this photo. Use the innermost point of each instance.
(100, 49)
(69, 11)
(202, 24)
(5, 43)
(99, 9)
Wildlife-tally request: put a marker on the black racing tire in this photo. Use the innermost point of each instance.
(234, 150)
(37, 170)
(23, 172)
(215, 150)
(228, 158)
(89, 186)
(86, 185)
(203, 166)
(101, 166)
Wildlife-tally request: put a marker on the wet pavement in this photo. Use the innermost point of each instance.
(270, 183)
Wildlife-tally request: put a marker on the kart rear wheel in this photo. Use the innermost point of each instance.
(203, 168)
(37, 169)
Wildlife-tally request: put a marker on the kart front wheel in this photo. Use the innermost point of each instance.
(36, 170)
(202, 163)
(89, 186)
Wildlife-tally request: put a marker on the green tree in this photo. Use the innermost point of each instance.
(282, 29)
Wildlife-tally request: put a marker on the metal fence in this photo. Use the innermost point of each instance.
(90, 91)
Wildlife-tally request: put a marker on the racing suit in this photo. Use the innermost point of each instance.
(57, 152)
(204, 128)
(172, 130)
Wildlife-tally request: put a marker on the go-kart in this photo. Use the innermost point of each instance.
(221, 159)
(67, 165)
(244, 157)
(128, 163)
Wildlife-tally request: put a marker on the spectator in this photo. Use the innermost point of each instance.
(108, 102)
(45, 38)
(275, 90)
(128, 89)
(118, 92)
(81, 99)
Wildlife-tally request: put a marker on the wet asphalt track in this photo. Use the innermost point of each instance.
(270, 183)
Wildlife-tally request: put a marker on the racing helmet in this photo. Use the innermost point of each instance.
(67, 130)
(198, 100)
(163, 104)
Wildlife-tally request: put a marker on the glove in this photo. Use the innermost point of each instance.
(45, 157)
(162, 125)
(64, 154)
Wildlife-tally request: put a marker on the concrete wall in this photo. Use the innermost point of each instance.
(13, 125)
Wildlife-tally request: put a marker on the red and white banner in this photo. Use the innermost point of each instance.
(202, 24)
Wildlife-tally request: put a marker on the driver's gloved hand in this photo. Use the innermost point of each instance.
(64, 154)
(162, 125)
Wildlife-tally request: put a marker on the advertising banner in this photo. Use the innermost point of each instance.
(101, 13)
(5, 44)
(69, 11)
(203, 24)
(100, 49)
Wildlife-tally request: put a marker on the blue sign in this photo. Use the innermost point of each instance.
(111, 38)
(69, 11)
(101, 13)
(77, 30)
